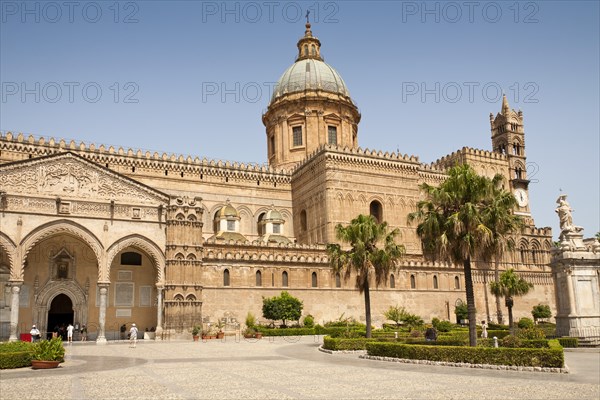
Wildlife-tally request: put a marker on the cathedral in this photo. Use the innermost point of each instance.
(106, 237)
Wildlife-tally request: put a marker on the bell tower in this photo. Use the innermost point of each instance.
(508, 138)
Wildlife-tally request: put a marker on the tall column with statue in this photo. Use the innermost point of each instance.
(576, 269)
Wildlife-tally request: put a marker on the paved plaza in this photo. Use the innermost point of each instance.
(280, 369)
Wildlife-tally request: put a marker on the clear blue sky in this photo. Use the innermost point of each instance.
(424, 75)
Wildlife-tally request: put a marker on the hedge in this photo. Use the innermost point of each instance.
(15, 354)
(285, 331)
(337, 344)
(553, 357)
(568, 341)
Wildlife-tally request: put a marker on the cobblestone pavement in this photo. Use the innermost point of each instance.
(279, 369)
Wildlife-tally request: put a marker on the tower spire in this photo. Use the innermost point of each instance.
(505, 106)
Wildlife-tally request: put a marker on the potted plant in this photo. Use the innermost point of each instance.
(196, 332)
(220, 334)
(48, 354)
(249, 332)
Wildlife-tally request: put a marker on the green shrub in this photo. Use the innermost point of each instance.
(498, 333)
(49, 350)
(541, 311)
(284, 331)
(511, 341)
(552, 357)
(15, 354)
(250, 320)
(525, 323)
(339, 331)
(309, 321)
(493, 326)
(531, 333)
(442, 326)
(338, 344)
(568, 342)
(548, 328)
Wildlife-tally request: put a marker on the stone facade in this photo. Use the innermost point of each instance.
(169, 242)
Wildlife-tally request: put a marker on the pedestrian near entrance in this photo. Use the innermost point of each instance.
(35, 334)
(70, 330)
(133, 332)
(83, 333)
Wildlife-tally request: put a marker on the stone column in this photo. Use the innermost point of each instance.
(14, 311)
(159, 313)
(101, 339)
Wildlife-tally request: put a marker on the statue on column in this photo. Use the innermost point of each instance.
(570, 235)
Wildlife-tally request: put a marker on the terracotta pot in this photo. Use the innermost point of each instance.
(196, 338)
(43, 364)
(258, 335)
(220, 335)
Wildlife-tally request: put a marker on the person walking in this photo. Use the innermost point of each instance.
(83, 333)
(70, 330)
(133, 336)
(35, 334)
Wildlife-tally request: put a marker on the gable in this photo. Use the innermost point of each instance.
(67, 175)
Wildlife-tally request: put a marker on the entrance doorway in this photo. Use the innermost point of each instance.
(60, 315)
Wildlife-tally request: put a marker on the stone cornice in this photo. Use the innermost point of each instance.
(41, 146)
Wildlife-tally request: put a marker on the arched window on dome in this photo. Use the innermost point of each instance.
(297, 136)
(306, 50)
(376, 211)
(314, 50)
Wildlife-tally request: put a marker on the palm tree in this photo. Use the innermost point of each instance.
(459, 222)
(509, 286)
(498, 215)
(364, 258)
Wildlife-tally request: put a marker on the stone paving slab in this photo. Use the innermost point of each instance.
(278, 369)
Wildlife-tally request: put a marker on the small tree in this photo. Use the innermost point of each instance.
(541, 311)
(284, 307)
(509, 286)
(395, 313)
(461, 311)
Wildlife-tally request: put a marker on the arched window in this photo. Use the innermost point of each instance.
(435, 282)
(284, 279)
(314, 50)
(376, 211)
(258, 278)
(216, 222)
(338, 280)
(392, 281)
(131, 258)
(413, 282)
(534, 258)
(260, 228)
(226, 280)
(456, 282)
(523, 256)
(305, 50)
(314, 279)
(303, 224)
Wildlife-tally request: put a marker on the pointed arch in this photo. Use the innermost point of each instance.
(53, 228)
(141, 243)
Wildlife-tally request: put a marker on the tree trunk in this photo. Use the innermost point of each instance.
(368, 308)
(509, 305)
(497, 279)
(470, 303)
